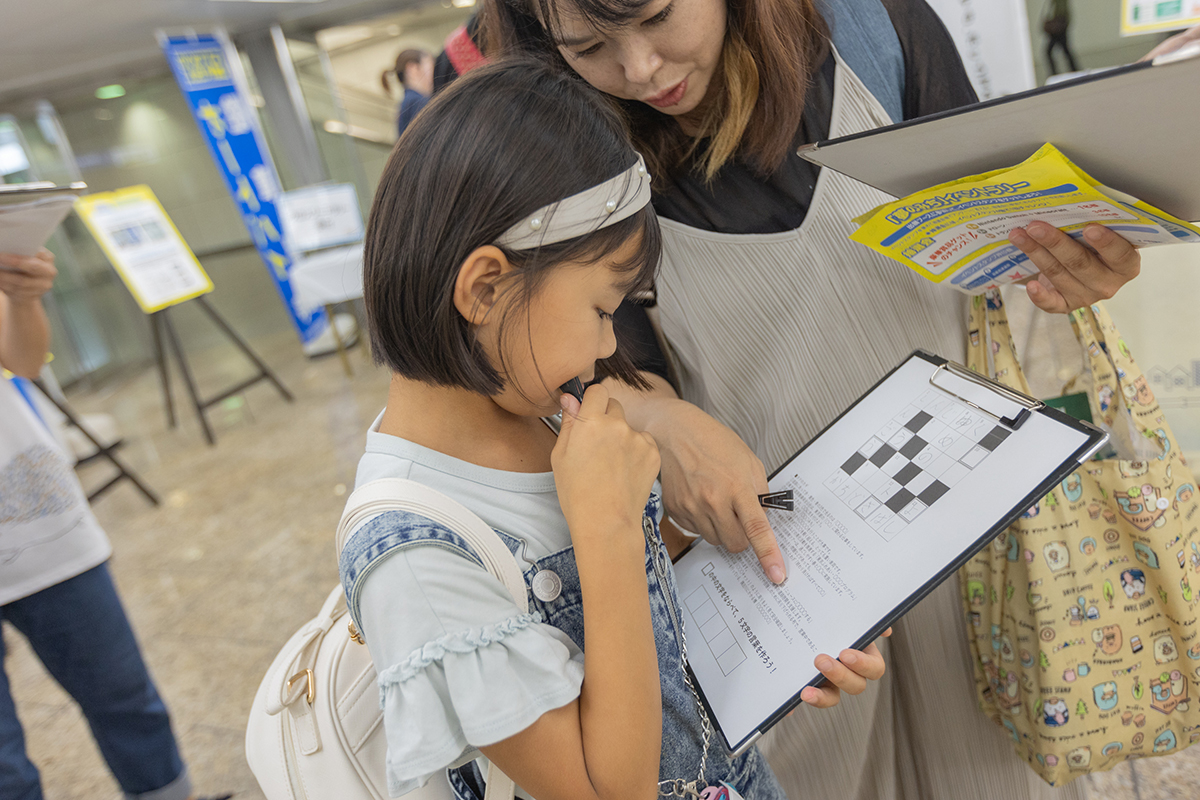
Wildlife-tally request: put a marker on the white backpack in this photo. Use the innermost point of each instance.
(316, 729)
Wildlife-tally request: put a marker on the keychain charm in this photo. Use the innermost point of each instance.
(722, 792)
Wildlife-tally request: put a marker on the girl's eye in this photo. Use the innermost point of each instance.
(589, 51)
(660, 16)
(604, 314)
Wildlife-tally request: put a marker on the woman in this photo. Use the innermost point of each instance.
(414, 71)
(777, 322)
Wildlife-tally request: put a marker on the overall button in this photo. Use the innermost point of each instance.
(648, 527)
(547, 586)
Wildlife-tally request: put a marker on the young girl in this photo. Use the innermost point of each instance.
(510, 222)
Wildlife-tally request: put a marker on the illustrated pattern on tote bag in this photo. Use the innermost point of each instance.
(1082, 615)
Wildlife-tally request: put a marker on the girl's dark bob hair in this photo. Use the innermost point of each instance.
(498, 144)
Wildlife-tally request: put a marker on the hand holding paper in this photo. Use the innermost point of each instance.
(961, 233)
(1073, 275)
(26, 278)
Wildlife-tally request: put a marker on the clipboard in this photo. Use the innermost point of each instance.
(750, 645)
(1131, 127)
(29, 213)
(21, 192)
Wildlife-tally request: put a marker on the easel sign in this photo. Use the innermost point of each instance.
(161, 271)
(144, 246)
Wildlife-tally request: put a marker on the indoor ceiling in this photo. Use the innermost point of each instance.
(49, 45)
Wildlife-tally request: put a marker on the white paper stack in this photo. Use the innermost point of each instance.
(26, 224)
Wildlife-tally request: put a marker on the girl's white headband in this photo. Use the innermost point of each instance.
(607, 203)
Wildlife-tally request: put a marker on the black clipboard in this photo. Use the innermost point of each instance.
(945, 373)
(1131, 128)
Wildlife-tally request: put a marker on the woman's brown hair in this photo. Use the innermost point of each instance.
(772, 48)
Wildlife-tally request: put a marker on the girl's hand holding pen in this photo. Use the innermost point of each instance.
(603, 469)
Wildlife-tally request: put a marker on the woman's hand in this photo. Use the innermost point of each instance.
(711, 482)
(849, 673)
(1176, 42)
(1073, 275)
(604, 470)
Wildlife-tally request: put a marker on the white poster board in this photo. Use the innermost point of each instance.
(992, 37)
(144, 246)
(1151, 16)
(317, 217)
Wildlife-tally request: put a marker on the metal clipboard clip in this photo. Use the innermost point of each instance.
(1028, 404)
(782, 501)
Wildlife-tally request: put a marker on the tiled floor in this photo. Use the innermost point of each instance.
(240, 555)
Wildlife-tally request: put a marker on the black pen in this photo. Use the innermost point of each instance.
(573, 387)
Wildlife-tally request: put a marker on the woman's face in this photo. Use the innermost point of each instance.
(665, 57)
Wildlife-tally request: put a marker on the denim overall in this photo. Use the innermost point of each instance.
(682, 735)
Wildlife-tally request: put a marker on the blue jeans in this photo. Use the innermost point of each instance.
(79, 631)
(682, 735)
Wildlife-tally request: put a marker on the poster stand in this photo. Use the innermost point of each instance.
(161, 271)
(105, 451)
(162, 327)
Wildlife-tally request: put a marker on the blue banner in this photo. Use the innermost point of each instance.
(230, 127)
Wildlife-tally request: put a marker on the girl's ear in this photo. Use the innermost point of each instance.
(478, 286)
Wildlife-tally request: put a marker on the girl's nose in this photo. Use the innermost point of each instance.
(608, 342)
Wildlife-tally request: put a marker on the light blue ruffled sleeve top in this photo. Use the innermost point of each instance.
(459, 665)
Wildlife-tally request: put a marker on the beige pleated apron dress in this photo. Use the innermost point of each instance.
(774, 335)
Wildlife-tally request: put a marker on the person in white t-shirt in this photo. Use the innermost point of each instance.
(54, 584)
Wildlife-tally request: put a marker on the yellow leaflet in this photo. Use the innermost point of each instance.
(957, 232)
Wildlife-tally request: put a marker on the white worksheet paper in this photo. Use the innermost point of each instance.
(899, 487)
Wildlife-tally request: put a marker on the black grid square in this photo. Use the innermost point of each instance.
(913, 446)
(934, 491)
(882, 455)
(906, 474)
(918, 421)
(899, 500)
(853, 462)
(990, 442)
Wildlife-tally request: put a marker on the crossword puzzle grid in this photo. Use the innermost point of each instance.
(716, 632)
(910, 463)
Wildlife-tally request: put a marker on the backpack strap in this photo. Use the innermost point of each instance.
(398, 494)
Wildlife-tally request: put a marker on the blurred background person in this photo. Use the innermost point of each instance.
(1055, 24)
(414, 71)
(55, 587)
